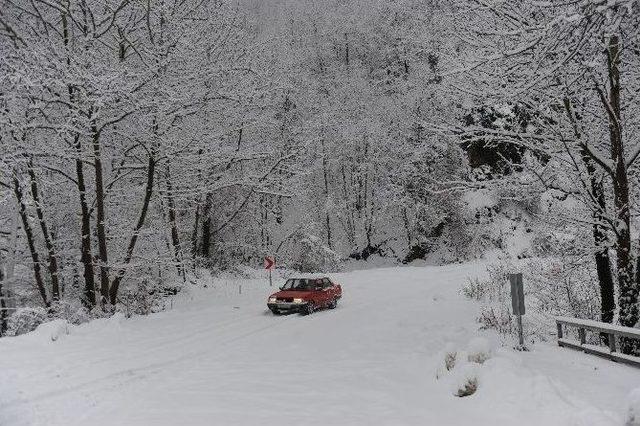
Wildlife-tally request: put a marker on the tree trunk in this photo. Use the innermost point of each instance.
(100, 215)
(346, 49)
(194, 234)
(53, 260)
(113, 291)
(601, 255)
(175, 236)
(628, 294)
(350, 219)
(3, 306)
(325, 174)
(89, 299)
(407, 227)
(206, 228)
(35, 257)
(196, 219)
(603, 261)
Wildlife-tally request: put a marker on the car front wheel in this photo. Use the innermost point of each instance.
(310, 308)
(333, 304)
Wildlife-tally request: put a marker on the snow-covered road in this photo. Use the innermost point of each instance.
(222, 359)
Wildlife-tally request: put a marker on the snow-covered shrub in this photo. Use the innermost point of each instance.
(450, 360)
(72, 311)
(53, 329)
(469, 387)
(496, 318)
(478, 350)
(459, 368)
(495, 312)
(25, 320)
(314, 256)
(146, 296)
(564, 286)
(474, 289)
(465, 240)
(450, 355)
(465, 380)
(446, 361)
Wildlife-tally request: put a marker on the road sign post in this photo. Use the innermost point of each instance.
(269, 264)
(517, 303)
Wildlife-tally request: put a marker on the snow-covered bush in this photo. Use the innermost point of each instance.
(478, 350)
(474, 289)
(450, 360)
(464, 379)
(25, 320)
(446, 361)
(450, 356)
(459, 368)
(146, 296)
(496, 318)
(468, 387)
(495, 312)
(53, 329)
(71, 310)
(564, 286)
(314, 256)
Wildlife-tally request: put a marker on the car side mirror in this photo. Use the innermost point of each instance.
(281, 288)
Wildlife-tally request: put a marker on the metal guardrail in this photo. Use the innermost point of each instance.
(611, 330)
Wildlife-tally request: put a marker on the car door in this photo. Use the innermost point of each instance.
(329, 290)
(315, 292)
(319, 293)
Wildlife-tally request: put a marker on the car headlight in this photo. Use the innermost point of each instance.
(272, 299)
(298, 300)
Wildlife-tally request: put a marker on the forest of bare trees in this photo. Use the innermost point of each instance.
(144, 142)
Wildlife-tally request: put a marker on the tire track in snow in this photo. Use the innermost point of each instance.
(135, 371)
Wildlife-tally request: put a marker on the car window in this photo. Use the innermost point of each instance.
(296, 284)
(303, 284)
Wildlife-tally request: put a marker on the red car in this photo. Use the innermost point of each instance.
(305, 295)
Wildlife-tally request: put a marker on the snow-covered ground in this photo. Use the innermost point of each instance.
(219, 358)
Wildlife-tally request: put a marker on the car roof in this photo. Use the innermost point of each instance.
(308, 278)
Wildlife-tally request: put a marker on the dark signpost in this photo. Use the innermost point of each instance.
(517, 302)
(269, 264)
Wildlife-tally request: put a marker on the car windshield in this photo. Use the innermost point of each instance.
(301, 284)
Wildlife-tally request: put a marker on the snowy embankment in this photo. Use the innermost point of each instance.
(219, 358)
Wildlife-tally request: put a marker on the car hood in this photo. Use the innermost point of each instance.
(298, 294)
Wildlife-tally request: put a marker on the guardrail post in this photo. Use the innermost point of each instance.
(559, 325)
(612, 342)
(583, 337)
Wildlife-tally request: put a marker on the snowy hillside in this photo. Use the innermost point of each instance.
(220, 358)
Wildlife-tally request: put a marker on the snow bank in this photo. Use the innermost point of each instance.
(460, 368)
(479, 350)
(483, 376)
(633, 411)
(52, 330)
(464, 379)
